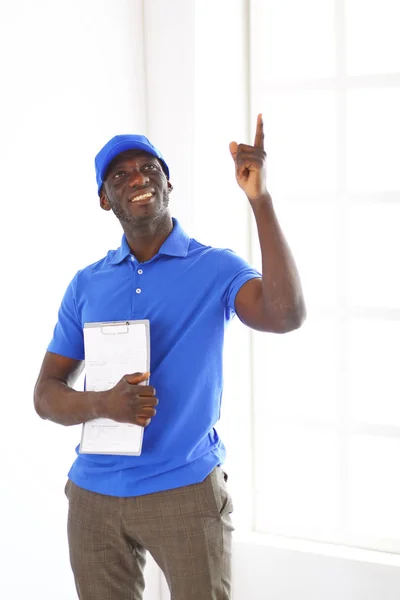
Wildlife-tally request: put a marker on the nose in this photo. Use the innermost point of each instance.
(137, 178)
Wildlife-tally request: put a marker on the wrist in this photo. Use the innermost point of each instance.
(98, 405)
(262, 201)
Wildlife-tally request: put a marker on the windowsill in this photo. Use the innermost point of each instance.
(321, 549)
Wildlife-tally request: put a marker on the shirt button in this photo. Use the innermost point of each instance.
(140, 271)
(138, 290)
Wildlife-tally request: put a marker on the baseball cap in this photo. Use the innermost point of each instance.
(122, 143)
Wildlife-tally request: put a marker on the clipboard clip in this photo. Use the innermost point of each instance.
(115, 328)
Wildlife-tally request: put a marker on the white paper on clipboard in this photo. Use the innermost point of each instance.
(113, 349)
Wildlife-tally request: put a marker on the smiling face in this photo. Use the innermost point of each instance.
(135, 188)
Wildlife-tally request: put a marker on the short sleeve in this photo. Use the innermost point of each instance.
(68, 334)
(234, 272)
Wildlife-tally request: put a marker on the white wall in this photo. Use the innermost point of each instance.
(71, 77)
(74, 74)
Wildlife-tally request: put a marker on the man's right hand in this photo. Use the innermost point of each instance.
(129, 402)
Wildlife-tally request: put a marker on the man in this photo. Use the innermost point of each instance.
(172, 500)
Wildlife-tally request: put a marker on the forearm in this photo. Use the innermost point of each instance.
(282, 291)
(57, 402)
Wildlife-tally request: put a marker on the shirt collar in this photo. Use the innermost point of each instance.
(176, 244)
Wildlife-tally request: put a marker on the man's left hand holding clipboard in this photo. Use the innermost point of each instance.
(129, 402)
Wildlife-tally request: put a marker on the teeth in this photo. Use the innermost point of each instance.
(142, 197)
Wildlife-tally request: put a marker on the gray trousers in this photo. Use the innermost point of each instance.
(187, 530)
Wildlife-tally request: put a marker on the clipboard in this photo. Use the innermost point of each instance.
(112, 350)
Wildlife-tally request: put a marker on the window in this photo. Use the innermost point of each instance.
(326, 75)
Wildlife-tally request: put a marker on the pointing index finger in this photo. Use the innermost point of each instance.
(259, 139)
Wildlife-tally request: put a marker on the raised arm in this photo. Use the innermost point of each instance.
(274, 303)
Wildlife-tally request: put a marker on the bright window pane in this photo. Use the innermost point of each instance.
(297, 483)
(374, 486)
(373, 371)
(298, 378)
(292, 39)
(295, 374)
(301, 140)
(373, 41)
(373, 129)
(373, 250)
(310, 230)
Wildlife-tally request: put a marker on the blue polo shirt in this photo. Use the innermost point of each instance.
(187, 291)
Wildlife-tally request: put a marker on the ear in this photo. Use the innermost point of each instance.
(170, 187)
(104, 202)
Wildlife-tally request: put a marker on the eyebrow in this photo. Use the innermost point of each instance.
(147, 158)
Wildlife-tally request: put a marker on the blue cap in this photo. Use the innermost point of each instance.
(122, 143)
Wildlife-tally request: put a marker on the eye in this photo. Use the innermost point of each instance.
(118, 174)
(149, 167)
